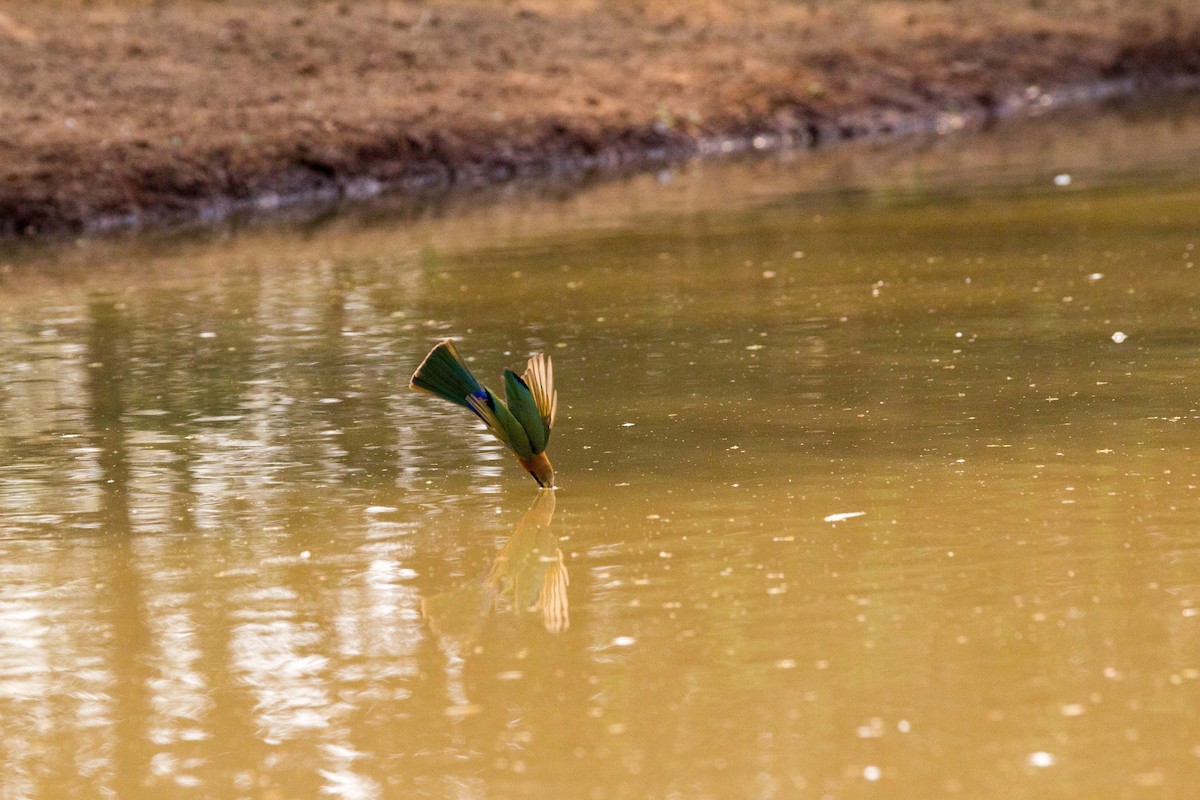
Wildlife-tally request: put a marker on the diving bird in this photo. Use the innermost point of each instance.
(523, 423)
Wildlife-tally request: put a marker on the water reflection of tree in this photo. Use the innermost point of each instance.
(364, 433)
(107, 355)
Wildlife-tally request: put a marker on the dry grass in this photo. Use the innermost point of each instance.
(114, 106)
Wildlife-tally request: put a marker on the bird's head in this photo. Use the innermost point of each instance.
(539, 467)
(544, 477)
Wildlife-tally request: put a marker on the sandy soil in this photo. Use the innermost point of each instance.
(118, 113)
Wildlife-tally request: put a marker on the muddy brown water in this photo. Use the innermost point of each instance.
(878, 479)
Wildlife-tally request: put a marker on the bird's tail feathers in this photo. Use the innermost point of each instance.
(444, 374)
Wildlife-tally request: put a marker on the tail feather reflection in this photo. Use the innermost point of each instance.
(529, 575)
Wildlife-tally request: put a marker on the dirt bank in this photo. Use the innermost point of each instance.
(121, 113)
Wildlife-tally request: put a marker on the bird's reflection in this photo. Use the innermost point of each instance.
(528, 575)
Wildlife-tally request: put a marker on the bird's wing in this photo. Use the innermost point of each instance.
(500, 421)
(523, 406)
(539, 376)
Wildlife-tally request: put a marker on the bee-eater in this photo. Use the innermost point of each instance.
(523, 424)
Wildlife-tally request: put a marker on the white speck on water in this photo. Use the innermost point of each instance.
(1062, 180)
(785, 663)
(872, 772)
(208, 335)
(1095, 276)
(624, 641)
(464, 710)
(305, 554)
(1041, 759)
(329, 400)
(768, 273)
(1149, 779)
(873, 729)
(844, 515)
(628, 424)
(904, 726)
(384, 509)
(1119, 337)
(1073, 709)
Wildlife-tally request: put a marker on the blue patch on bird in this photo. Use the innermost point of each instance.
(482, 394)
(478, 395)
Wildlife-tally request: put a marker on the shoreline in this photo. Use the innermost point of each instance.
(436, 178)
(107, 170)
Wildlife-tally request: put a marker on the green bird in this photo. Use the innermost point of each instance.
(523, 423)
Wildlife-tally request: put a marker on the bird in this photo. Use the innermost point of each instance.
(522, 423)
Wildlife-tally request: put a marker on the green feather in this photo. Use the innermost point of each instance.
(518, 439)
(502, 423)
(443, 373)
(524, 408)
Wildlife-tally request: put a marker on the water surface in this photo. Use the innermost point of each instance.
(878, 480)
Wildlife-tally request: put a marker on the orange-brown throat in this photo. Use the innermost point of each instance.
(539, 467)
